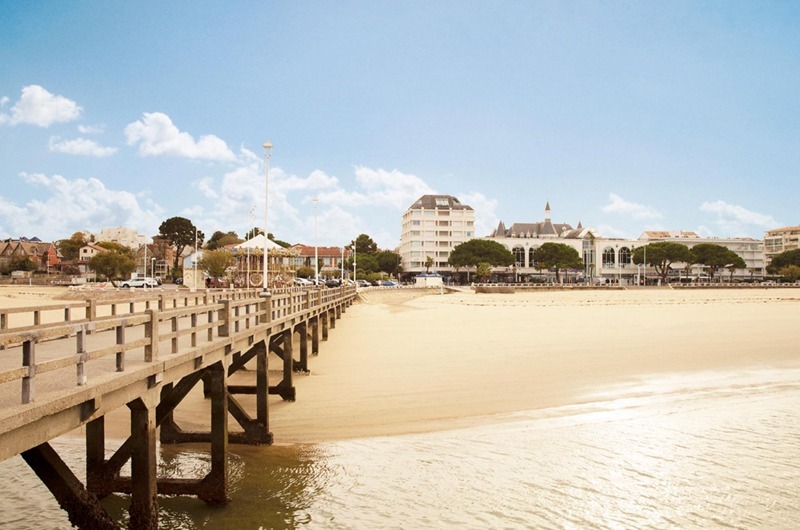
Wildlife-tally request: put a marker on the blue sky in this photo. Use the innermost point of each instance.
(625, 116)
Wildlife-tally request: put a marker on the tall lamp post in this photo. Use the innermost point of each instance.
(153, 268)
(316, 250)
(342, 283)
(267, 151)
(354, 263)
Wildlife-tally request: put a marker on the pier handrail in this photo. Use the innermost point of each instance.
(158, 328)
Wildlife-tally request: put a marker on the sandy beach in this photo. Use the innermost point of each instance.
(398, 362)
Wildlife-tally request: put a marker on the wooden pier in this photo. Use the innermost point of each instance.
(66, 366)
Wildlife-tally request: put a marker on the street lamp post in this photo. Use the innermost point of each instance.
(153, 268)
(354, 263)
(342, 283)
(194, 261)
(267, 151)
(316, 250)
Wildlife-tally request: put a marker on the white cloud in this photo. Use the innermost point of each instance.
(611, 231)
(79, 204)
(80, 146)
(380, 196)
(205, 186)
(37, 106)
(3, 101)
(735, 220)
(91, 129)
(486, 218)
(157, 135)
(638, 211)
(391, 188)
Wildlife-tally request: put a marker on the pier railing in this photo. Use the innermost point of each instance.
(99, 338)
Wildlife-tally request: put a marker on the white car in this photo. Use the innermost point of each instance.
(139, 282)
(302, 282)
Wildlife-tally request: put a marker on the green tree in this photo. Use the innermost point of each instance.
(557, 256)
(364, 245)
(784, 259)
(305, 272)
(475, 251)
(716, 257)
(181, 232)
(21, 263)
(388, 261)
(216, 263)
(253, 232)
(661, 255)
(428, 264)
(271, 237)
(482, 271)
(221, 239)
(70, 248)
(366, 263)
(791, 272)
(116, 247)
(112, 265)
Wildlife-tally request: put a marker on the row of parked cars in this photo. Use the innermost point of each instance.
(303, 282)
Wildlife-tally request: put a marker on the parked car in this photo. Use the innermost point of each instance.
(303, 282)
(178, 281)
(333, 282)
(389, 283)
(362, 283)
(139, 282)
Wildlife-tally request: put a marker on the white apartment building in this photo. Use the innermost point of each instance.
(780, 240)
(432, 227)
(124, 236)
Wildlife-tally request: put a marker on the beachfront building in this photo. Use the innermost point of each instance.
(44, 255)
(431, 228)
(522, 239)
(127, 237)
(780, 240)
(749, 249)
(330, 259)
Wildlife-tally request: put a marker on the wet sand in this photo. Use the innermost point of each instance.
(399, 363)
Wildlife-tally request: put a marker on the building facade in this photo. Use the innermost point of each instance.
(780, 240)
(431, 228)
(124, 236)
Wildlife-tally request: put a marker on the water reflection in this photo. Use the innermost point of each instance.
(660, 453)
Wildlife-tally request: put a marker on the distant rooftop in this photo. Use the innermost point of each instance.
(439, 201)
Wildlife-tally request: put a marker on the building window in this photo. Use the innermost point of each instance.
(625, 257)
(519, 256)
(442, 202)
(609, 259)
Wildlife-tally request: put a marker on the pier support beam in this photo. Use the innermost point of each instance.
(324, 316)
(144, 493)
(314, 335)
(82, 507)
(302, 364)
(281, 345)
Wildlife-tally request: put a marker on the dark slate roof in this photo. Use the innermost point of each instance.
(429, 202)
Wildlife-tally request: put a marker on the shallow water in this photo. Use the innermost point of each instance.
(698, 451)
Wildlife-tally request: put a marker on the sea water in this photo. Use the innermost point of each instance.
(683, 451)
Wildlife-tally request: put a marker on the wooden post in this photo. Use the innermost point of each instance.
(301, 329)
(262, 388)
(144, 504)
(214, 489)
(224, 328)
(29, 361)
(121, 343)
(82, 357)
(315, 335)
(151, 332)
